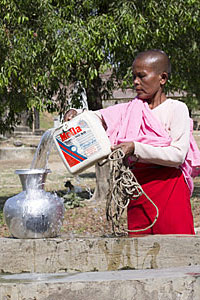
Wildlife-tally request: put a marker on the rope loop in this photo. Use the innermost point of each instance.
(123, 188)
(117, 154)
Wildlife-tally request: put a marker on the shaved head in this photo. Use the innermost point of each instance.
(158, 58)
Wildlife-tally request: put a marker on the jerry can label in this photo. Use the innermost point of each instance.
(77, 143)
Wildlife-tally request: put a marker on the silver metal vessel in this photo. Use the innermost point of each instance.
(34, 213)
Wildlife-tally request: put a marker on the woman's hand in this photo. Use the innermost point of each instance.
(70, 114)
(127, 147)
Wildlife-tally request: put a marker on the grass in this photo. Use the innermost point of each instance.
(46, 120)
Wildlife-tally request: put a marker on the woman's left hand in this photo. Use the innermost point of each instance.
(127, 147)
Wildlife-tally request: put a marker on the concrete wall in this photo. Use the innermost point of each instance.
(98, 254)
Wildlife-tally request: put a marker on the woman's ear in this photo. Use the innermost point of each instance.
(163, 78)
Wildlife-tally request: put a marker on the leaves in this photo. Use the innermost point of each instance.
(48, 45)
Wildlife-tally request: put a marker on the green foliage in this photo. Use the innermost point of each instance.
(1, 218)
(173, 26)
(72, 200)
(50, 44)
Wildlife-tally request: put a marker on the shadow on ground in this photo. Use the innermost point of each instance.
(196, 192)
(88, 175)
(3, 200)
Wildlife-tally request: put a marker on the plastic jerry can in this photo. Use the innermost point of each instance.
(81, 142)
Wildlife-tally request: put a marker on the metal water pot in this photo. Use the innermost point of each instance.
(34, 213)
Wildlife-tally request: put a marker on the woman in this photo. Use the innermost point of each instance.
(155, 134)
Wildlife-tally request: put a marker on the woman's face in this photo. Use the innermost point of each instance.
(146, 79)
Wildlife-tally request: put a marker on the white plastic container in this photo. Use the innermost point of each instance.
(81, 142)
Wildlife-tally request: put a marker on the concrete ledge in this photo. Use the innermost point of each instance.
(175, 283)
(98, 254)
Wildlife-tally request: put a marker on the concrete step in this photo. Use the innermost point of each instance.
(181, 283)
(98, 254)
(21, 128)
(25, 130)
(10, 153)
(27, 136)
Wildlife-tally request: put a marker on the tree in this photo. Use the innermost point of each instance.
(46, 46)
(50, 44)
(173, 26)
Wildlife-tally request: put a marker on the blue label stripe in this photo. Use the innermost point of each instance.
(67, 150)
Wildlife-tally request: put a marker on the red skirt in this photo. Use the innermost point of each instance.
(167, 188)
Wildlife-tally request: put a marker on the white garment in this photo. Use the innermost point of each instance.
(174, 116)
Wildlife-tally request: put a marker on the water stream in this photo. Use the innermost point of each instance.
(41, 156)
(40, 159)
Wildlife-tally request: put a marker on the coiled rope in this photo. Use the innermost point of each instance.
(123, 188)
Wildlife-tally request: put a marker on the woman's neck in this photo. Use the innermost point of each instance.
(156, 100)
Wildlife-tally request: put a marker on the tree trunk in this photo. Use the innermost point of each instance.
(37, 118)
(102, 182)
(93, 93)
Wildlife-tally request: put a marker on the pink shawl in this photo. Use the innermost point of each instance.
(134, 121)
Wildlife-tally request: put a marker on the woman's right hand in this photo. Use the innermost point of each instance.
(70, 114)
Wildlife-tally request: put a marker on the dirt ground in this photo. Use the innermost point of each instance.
(87, 220)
